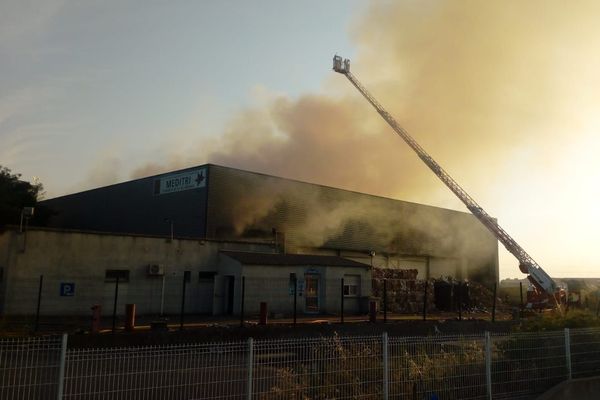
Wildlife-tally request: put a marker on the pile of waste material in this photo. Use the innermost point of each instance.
(481, 296)
(389, 273)
(473, 296)
(404, 291)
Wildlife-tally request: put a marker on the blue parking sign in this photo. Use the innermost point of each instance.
(67, 289)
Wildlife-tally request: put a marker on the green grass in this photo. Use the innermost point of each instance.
(554, 320)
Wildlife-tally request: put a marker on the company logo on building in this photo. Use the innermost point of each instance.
(179, 182)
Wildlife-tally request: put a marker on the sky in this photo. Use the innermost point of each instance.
(502, 94)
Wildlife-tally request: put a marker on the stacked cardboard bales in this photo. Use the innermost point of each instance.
(404, 291)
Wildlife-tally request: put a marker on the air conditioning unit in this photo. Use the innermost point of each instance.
(156, 269)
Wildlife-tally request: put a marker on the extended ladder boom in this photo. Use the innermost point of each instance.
(527, 265)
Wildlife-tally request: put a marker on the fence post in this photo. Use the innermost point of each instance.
(521, 305)
(460, 300)
(114, 316)
(385, 301)
(242, 302)
(342, 303)
(61, 369)
(39, 303)
(296, 299)
(385, 366)
(425, 301)
(568, 353)
(494, 303)
(187, 276)
(250, 365)
(488, 365)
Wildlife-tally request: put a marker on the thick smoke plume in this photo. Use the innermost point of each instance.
(474, 82)
(320, 216)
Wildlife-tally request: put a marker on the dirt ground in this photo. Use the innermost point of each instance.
(154, 330)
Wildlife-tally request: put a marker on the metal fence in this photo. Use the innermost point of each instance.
(364, 367)
(30, 368)
(195, 371)
(585, 352)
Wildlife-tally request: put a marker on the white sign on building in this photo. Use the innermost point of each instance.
(179, 182)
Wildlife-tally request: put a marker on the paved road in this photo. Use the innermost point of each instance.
(587, 388)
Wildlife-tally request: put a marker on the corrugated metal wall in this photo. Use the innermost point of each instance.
(313, 215)
(132, 207)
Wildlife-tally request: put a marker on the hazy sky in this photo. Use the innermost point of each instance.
(503, 94)
(85, 83)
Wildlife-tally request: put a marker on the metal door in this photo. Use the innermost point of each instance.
(228, 298)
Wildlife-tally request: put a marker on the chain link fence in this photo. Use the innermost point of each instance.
(515, 366)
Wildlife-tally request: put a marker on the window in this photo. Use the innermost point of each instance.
(350, 290)
(206, 275)
(112, 275)
(351, 285)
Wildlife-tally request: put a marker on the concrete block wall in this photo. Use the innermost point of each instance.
(83, 258)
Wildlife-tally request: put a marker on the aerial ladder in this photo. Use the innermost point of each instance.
(536, 275)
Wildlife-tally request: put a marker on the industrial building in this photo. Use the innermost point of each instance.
(200, 230)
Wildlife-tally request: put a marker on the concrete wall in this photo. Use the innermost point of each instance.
(83, 258)
(264, 283)
(6, 253)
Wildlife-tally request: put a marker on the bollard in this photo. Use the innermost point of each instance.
(96, 314)
(129, 317)
(372, 311)
(263, 313)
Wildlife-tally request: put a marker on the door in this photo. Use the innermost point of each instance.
(206, 293)
(111, 289)
(311, 293)
(229, 294)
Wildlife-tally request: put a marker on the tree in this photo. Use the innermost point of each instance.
(16, 194)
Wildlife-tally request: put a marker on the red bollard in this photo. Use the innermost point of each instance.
(96, 315)
(263, 313)
(129, 317)
(372, 311)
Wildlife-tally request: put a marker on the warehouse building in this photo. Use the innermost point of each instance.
(80, 269)
(221, 224)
